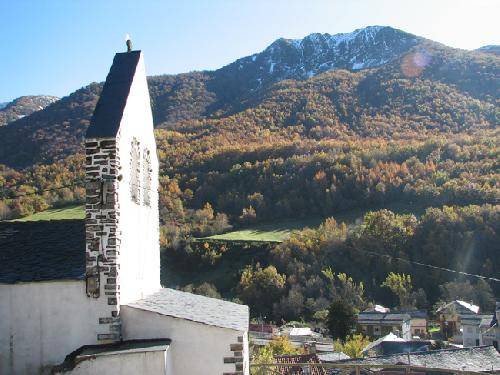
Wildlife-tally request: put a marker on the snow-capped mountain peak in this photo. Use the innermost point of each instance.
(24, 106)
(363, 48)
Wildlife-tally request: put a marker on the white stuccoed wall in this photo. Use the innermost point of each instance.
(196, 348)
(150, 363)
(139, 257)
(42, 322)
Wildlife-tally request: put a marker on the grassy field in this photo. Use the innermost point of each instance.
(280, 231)
(270, 232)
(70, 212)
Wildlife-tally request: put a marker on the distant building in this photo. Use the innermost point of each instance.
(472, 328)
(491, 335)
(263, 328)
(450, 318)
(418, 322)
(391, 344)
(375, 324)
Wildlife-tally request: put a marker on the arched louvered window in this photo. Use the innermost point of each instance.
(135, 171)
(146, 177)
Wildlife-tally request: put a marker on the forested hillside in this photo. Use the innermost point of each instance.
(246, 144)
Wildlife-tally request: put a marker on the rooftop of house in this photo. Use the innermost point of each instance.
(201, 309)
(41, 251)
(480, 358)
(301, 331)
(378, 308)
(483, 320)
(108, 112)
(417, 314)
(332, 356)
(397, 347)
(298, 358)
(463, 306)
(371, 317)
(390, 337)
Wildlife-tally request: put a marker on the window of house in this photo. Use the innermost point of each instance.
(135, 171)
(146, 177)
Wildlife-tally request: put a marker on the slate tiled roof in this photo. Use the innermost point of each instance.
(377, 317)
(108, 112)
(42, 250)
(476, 320)
(480, 358)
(297, 370)
(332, 356)
(417, 314)
(201, 309)
(462, 307)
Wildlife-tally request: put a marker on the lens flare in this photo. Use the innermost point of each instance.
(414, 63)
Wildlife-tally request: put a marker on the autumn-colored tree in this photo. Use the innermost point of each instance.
(353, 346)
(401, 286)
(261, 288)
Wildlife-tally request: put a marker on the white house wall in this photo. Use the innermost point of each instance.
(139, 223)
(196, 348)
(150, 363)
(42, 322)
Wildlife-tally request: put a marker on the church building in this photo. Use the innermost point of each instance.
(84, 296)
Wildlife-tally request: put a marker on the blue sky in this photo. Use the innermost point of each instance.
(55, 47)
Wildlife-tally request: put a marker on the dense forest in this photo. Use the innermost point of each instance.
(426, 135)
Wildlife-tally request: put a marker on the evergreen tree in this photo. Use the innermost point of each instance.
(341, 319)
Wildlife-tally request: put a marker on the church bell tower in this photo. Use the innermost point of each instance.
(122, 221)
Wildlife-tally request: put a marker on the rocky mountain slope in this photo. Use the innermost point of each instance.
(376, 81)
(24, 106)
(316, 53)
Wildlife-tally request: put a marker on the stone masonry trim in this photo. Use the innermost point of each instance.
(102, 232)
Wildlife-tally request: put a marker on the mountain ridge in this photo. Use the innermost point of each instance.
(421, 71)
(24, 106)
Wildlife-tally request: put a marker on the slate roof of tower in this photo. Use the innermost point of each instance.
(201, 309)
(42, 250)
(108, 112)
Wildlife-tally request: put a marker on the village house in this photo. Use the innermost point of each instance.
(375, 324)
(490, 334)
(472, 328)
(418, 319)
(86, 295)
(450, 318)
(418, 323)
